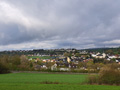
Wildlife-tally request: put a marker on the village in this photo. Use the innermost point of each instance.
(71, 59)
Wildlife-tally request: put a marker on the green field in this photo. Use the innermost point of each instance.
(41, 57)
(33, 81)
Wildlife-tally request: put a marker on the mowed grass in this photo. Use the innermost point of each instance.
(40, 77)
(32, 81)
(56, 87)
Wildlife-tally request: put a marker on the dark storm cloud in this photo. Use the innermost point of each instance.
(60, 23)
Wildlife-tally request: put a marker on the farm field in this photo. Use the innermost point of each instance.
(33, 81)
(41, 57)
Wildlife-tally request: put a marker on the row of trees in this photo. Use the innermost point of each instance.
(16, 62)
(21, 63)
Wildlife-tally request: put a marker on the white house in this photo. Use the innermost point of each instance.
(98, 55)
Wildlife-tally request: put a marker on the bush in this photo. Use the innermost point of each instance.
(92, 79)
(79, 71)
(49, 82)
(3, 69)
(109, 75)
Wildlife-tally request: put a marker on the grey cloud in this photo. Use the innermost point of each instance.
(78, 23)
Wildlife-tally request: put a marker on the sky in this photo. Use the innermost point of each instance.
(51, 24)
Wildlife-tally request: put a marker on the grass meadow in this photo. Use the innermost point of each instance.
(41, 57)
(35, 81)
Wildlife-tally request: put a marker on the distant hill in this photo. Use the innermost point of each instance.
(106, 50)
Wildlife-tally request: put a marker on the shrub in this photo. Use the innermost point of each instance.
(49, 82)
(92, 79)
(109, 75)
(79, 71)
(3, 69)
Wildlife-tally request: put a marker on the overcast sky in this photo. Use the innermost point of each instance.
(34, 24)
